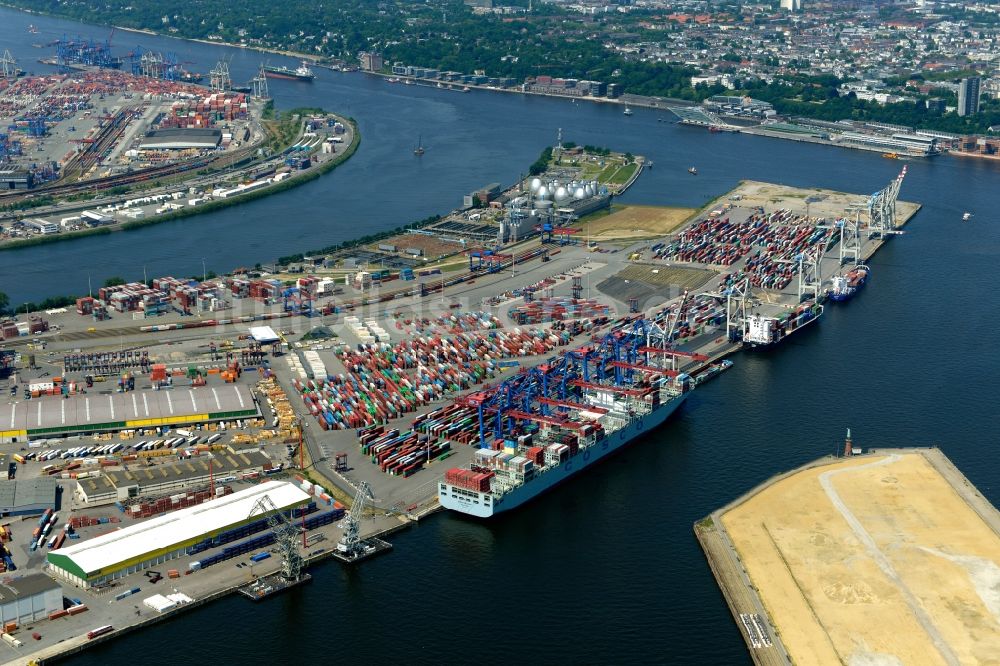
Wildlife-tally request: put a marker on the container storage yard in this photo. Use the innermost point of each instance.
(380, 396)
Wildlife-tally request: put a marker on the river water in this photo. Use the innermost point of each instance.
(605, 569)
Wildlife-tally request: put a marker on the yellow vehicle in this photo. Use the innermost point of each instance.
(91, 330)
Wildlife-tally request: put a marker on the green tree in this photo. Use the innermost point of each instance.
(4, 302)
(113, 281)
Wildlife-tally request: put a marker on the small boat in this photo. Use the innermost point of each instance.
(33, 29)
(693, 171)
(891, 156)
(966, 217)
(627, 111)
(419, 150)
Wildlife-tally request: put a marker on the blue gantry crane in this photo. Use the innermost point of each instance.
(620, 365)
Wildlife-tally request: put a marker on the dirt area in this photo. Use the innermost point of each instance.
(634, 222)
(821, 203)
(432, 246)
(873, 560)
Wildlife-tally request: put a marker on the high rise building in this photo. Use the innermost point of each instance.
(968, 96)
(792, 5)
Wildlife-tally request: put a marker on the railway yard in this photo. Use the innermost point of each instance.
(347, 385)
(103, 148)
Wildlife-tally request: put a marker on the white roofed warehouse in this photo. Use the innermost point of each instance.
(146, 544)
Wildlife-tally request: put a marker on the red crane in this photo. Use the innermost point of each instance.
(635, 393)
(643, 368)
(572, 405)
(547, 420)
(673, 352)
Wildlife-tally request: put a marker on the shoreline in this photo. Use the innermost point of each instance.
(66, 649)
(212, 206)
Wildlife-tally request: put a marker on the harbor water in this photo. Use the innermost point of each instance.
(604, 569)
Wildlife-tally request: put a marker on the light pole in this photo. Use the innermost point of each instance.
(204, 273)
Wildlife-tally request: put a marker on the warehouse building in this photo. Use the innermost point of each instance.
(181, 139)
(111, 556)
(195, 472)
(15, 179)
(29, 599)
(27, 497)
(90, 413)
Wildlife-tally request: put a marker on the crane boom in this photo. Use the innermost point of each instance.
(350, 543)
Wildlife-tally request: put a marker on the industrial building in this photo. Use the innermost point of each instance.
(913, 144)
(88, 413)
(27, 497)
(16, 179)
(114, 555)
(181, 139)
(29, 599)
(116, 486)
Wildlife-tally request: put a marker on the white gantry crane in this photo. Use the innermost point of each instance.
(882, 208)
(219, 79)
(286, 536)
(350, 544)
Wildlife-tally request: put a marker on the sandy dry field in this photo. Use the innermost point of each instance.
(637, 222)
(873, 561)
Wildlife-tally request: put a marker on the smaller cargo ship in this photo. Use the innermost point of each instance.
(711, 371)
(300, 73)
(762, 331)
(848, 284)
(190, 77)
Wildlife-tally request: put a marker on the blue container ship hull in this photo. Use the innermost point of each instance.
(485, 504)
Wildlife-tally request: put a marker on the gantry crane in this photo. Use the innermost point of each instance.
(285, 535)
(350, 544)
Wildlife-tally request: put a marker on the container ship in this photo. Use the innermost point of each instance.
(847, 285)
(552, 421)
(300, 73)
(763, 331)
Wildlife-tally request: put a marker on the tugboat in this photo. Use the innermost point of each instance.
(966, 217)
(693, 171)
(419, 150)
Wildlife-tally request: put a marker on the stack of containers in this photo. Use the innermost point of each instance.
(385, 381)
(558, 309)
(315, 364)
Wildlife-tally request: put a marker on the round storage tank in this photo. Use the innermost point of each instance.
(561, 194)
(535, 184)
(580, 193)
